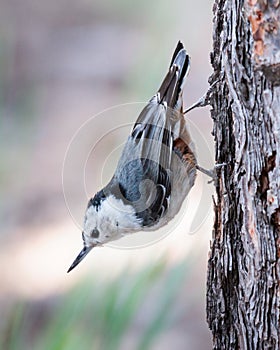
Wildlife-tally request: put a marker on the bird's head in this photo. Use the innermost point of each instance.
(106, 219)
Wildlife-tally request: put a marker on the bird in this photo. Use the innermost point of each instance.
(155, 172)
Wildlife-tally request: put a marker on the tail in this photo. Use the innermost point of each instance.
(170, 90)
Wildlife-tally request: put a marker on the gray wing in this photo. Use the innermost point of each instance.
(143, 175)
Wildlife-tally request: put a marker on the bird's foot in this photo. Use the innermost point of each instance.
(204, 100)
(211, 172)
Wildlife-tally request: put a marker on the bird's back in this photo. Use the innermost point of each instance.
(159, 143)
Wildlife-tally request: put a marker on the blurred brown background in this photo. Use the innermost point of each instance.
(62, 62)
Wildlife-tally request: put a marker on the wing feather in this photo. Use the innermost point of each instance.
(143, 174)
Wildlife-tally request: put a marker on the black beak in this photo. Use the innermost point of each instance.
(80, 257)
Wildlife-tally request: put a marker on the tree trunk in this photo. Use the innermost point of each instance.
(243, 292)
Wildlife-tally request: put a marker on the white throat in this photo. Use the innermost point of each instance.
(112, 219)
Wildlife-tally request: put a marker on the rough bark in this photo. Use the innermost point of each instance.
(243, 291)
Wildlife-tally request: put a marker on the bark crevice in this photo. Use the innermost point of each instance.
(243, 301)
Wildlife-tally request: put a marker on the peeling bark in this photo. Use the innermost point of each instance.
(243, 287)
(264, 17)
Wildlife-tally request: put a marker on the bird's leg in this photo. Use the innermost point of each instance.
(204, 100)
(212, 172)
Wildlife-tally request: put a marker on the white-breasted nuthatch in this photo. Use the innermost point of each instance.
(155, 172)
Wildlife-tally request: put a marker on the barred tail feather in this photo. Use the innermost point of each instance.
(171, 87)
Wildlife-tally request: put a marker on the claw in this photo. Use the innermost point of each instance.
(212, 172)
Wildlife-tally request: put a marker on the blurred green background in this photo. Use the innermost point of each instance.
(61, 62)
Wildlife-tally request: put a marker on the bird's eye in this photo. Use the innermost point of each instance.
(94, 233)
